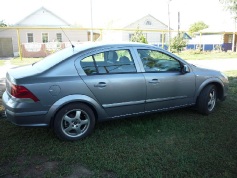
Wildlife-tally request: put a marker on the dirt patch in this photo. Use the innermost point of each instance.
(79, 171)
(36, 167)
(39, 166)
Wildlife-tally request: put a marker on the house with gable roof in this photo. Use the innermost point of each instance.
(49, 30)
(153, 29)
(44, 27)
(41, 26)
(147, 23)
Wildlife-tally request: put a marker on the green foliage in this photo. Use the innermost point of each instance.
(178, 43)
(138, 36)
(197, 26)
(2, 23)
(231, 6)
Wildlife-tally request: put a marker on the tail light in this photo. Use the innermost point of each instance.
(22, 92)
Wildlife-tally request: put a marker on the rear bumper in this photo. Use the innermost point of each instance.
(17, 113)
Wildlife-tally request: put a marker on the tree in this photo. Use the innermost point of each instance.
(178, 43)
(138, 36)
(231, 6)
(197, 27)
(2, 23)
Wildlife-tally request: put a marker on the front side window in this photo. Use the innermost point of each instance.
(109, 62)
(30, 38)
(45, 38)
(156, 61)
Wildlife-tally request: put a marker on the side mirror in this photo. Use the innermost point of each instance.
(185, 69)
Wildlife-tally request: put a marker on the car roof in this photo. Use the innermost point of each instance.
(90, 45)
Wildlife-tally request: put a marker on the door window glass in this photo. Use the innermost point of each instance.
(107, 62)
(155, 61)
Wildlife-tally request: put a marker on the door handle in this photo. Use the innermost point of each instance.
(100, 84)
(154, 81)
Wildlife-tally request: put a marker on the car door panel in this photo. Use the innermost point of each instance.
(119, 94)
(166, 90)
(167, 86)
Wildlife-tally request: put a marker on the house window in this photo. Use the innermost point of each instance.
(148, 22)
(230, 38)
(30, 38)
(134, 36)
(162, 36)
(45, 38)
(59, 37)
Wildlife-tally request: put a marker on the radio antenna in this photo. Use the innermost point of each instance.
(67, 38)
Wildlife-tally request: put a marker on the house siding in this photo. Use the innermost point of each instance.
(73, 35)
(10, 33)
(145, 24)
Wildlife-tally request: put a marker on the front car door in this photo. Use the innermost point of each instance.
(112, 77)
(167, 86)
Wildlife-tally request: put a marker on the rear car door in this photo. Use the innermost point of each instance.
(167, 86)
(112, 77)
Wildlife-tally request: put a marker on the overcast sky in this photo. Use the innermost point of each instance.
(104, 11)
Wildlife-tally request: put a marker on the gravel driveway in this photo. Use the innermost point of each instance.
(217, 64)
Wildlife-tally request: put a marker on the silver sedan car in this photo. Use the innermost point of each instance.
(74, 88)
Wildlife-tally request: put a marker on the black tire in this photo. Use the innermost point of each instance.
(207, 100)
(74, 122)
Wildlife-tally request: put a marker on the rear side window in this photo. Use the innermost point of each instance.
(108, 62)
(54, 59)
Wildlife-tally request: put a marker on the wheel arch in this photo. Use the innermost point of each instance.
(217, 83)
(90, 102)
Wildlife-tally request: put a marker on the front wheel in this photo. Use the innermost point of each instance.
(207, 100)
(74, 121)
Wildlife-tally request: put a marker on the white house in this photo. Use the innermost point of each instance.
(44, 28)
(214, 39)
(155, 31)
(147, 24)
(41, 26)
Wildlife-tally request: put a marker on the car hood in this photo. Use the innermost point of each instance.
(209, 73)
(201, 69)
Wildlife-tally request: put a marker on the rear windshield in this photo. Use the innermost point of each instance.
(54, 58)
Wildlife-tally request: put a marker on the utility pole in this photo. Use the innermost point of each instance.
(91, 22)
(169, 35)
(233, 38)
(178, 23)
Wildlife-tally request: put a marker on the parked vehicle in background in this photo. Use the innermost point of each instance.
(74, 88)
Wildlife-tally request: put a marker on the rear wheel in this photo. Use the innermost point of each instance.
(207, 100)
(74, 121)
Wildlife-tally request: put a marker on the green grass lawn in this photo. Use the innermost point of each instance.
(2, 62)
(179, 143)
(24, 61)
(18, 61)
(194, 55)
